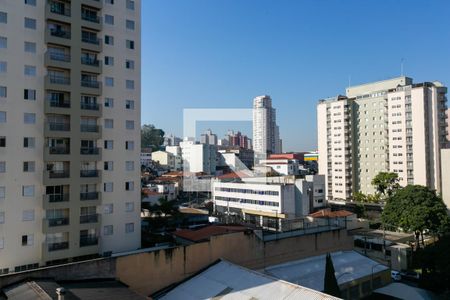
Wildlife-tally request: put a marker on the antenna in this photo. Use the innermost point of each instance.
(401, 66)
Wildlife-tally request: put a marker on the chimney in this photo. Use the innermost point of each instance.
(60, 292)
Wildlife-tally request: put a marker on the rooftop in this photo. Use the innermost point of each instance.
(326, 213)
(205, 233)
(224, 280)
(193, 211)
(310, 272)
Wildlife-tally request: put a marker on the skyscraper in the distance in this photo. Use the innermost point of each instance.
(69, 130)
(393, 125)
(266, 136)
(208, 138)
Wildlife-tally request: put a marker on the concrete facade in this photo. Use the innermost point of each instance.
(69, 139)
(445, 171)
(198, 157)
(371, 130)
(266, 135)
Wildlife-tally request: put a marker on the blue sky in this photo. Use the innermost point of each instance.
(223, 53)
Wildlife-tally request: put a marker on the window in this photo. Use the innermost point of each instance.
(109, 123)
(129, 206)
(130, 44)
(27, 240)
(108, 144)
(28, 142)
(29, 118)
(109, 81)
(3, 17)
(2, 166)
(2, 192)
(3, 42)
(29, 166)
(108, 208)
(129, 84)
(108, 187)
(29, 94)
(28, 190)
(129, 124)
(129, 227)
(2, 217)
(29, 71)
(109, 19)
(129, 64)
(3, 66)
(2, 141)
(107, 230)
(129, 145)
(129, 186)
(130, 24)
(30, 2)
(3, 91)
(109, 40)
(109, 60)
(129, 165)
(30, 23)
(130, 4)
(2, 116)
(109, 102)
(28, 215)
(30, 47)
(129, 104)
(108, 165)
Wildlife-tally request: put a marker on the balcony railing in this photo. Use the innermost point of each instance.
(90, 40)
(89, 219)
(88, 196)
(59, 150)
(89, 128)
(90, 61)
(59, 103)
(58, 246)
(57, 198)
(59, 174)
(89, 17)
(59, 56)
(89, 173)
(90, 83)
(89, 151)
(62, 33)
(90, 106)
(53, 126)
(88, 241)
(58, 222)
(59, 9)
(59, 79)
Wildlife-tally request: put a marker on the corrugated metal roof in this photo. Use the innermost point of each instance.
(225, 280)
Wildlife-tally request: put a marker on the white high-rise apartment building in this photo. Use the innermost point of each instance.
(393, 125)
(208, 138)
(198, 157)
(69, 130)
(266, 135)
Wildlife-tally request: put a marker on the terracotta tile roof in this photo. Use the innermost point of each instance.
(193, 211)
(149, 192)
(325, 213)
(233, 175)
(206, 232)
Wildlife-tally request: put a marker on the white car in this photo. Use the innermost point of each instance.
(395, 275)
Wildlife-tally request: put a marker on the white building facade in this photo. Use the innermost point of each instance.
(198, 157)
(393, 125)
(266, 135)
(69, 130)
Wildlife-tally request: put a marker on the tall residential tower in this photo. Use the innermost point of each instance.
(266, 136)
(393, 125)
(69, 130)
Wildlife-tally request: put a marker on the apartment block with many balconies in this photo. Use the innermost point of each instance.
(69, 130)
(393, 125)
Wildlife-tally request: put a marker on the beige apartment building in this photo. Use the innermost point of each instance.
(69, 130)
(392, 125)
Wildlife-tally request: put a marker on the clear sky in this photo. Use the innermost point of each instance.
(223, 53)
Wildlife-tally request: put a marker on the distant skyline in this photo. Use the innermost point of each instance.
(222, 54)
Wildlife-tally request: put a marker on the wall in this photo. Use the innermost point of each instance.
(147, 273)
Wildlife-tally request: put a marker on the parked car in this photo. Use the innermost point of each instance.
(395, 275)
(410, 275)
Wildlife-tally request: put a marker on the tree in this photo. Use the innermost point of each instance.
(151, 137)
(331, 286)
(416, 209)
(386, 183)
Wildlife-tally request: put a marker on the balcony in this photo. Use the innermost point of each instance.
(58, 222)
(90, 20)
(59, 11)
(88, 196)
(90, 106)
(89, 219)
(58, 174)
(92, 87)
(93, 3)
(56, 153)
(56, 126)
(91, 43)
(59, 150)
(89, 128)
(57, 82)
(58, 36)
(91, 132)
(89, 173)
(57, 59)
(57, 246)
(91, 65)
(55, 201)
(91, 154)
(88, 241)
